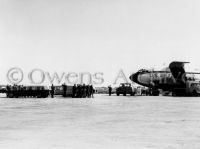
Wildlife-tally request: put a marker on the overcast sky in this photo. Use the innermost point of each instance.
(98, 35)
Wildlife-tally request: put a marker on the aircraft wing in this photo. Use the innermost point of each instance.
(177, 69)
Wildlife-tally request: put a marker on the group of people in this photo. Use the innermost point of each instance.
(78, 91)
(26, 91)
(15, 87)
(82, 91)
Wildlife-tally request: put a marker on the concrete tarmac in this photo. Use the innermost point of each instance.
(100, 123)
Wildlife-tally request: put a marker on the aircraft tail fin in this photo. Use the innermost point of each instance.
(177, 69)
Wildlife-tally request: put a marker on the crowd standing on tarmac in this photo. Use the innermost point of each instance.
(82, 91)
(26, 91)
(78, 91)
(15, 87)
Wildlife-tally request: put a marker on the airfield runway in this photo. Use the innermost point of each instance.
(100, 123)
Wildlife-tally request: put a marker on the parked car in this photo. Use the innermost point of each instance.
(124, 89)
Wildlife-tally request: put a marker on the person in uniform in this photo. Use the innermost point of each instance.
(84, 91)
(110, 90)
(79, 91)
(87, 91)
(64, 90)
(52, 91)
(74, 90)
(91, 91)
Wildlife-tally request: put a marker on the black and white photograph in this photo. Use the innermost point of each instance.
(99, 74)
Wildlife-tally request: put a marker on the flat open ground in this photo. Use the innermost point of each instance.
(100, 123)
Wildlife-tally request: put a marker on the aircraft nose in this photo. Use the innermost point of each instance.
(134, 77)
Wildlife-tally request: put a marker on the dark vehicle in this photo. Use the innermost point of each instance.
(124, 89)
(192, 89)
(154, 92)
(3, 89)
(28, 91)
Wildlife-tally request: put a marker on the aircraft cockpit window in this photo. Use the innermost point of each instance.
(143, 70)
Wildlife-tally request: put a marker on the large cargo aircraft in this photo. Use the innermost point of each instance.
(173, 79)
